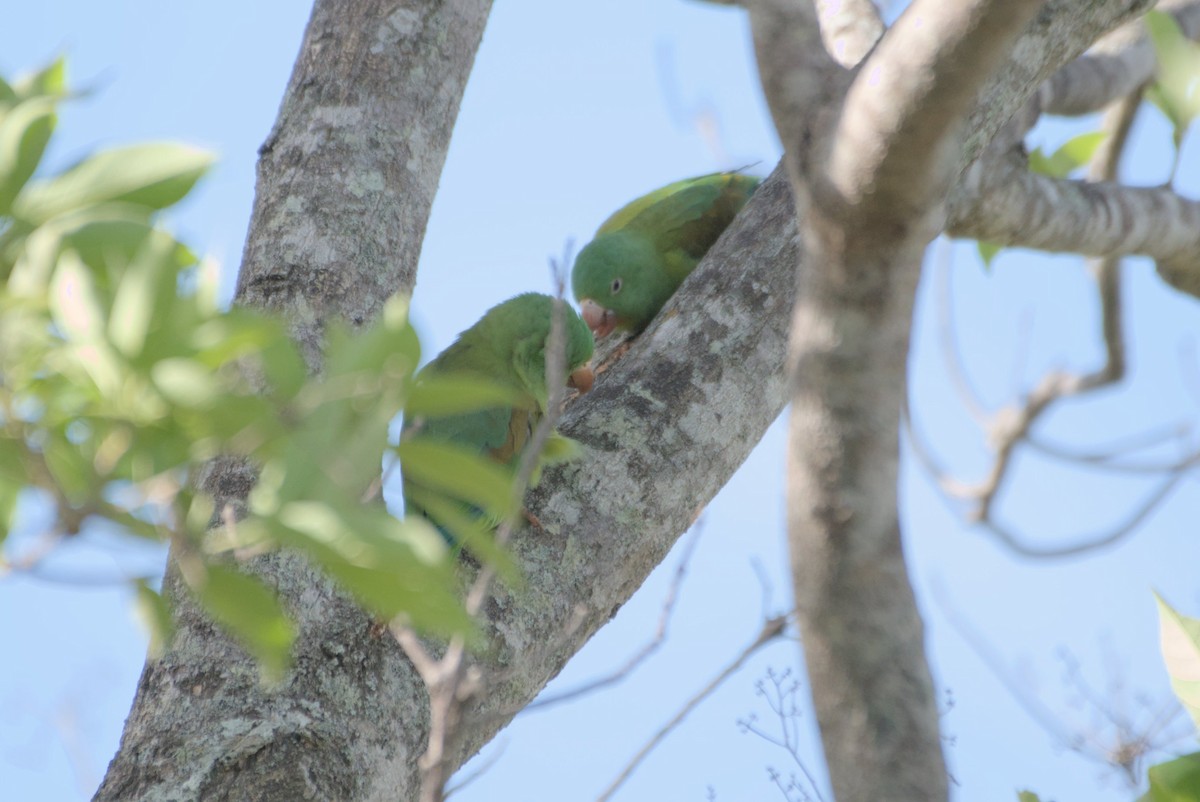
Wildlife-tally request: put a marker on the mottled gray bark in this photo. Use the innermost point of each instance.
(345, 183)
(348, 174)
(1000, 201)
(872, 154)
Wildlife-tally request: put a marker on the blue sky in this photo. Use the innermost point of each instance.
(571, 111)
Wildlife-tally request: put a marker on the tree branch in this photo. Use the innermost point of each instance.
(1119, 63)
(799, 78)
(999, 200)
(897, 138)
(1061, 31)
(348, 173)
(345, 183)
(662, 430)
(850, 28)
(1013, 426)
(771, 629)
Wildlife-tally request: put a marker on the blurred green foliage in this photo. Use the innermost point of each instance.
(120, 376)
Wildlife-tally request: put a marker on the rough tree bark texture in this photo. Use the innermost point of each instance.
(344, 191)
(347, 175)
(345, 183)
(869, 165)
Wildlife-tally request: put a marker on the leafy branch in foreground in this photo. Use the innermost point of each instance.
(121, 377)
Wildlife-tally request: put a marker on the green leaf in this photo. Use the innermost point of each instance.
(1039, 162)
(12, 461)
(1068, 158)
(153, 175)
(50, 81)
(559, 449)
(988, 251)
(24, 133)
(444, 395)
(10, 494)
(391, 567)
(111, 236)
(70, 469)
(1177, 90)
(155, 615)
(429, 607)
(145, 293)
(74, 302)
(251, 612)
(460, 473)
(1028, 796)
(1082, 148)
(1176, 780)
(1180, 639)
(77, 312)
(285, 367)
(186, 382)
(473, 532)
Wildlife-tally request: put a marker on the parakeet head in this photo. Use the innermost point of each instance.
(620, 281)
(519, 330)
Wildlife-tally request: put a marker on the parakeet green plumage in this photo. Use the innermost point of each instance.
(643, 252)
(506, 348)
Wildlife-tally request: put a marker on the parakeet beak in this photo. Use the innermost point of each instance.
(581, 379)
(600, 320)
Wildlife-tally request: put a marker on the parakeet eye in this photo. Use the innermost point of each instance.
(616, 286)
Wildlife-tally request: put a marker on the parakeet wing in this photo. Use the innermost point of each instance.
(494, 431)
(699, 188)
(685, 218)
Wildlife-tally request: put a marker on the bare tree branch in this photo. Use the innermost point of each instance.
(455, 679)
(662, 430)
(642, 654)
(951, 354)
(1013, 426)
(1061, 31)
(800, 77)
(1122, 742)
(337, 227)
(999, 200)
(772, 628)
(897, 138)
(782, 697)
(870, 172)
(850, 28)
(1119, 63)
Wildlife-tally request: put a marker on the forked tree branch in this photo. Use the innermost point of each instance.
(1013, 427)
(849, 28)
(1117, 66)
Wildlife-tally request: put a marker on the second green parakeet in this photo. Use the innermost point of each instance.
(506, 349)
(644, 251)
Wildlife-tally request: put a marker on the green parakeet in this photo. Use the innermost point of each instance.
(506, 348)
(642, 253)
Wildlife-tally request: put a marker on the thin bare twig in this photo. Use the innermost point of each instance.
(1011, 427)
(1117, 457)
(651, 646)
(452, 681)
(953, 489)
(781, 698)
(485, 765)
(772, 628)
(1119, 741)
(949, 341)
